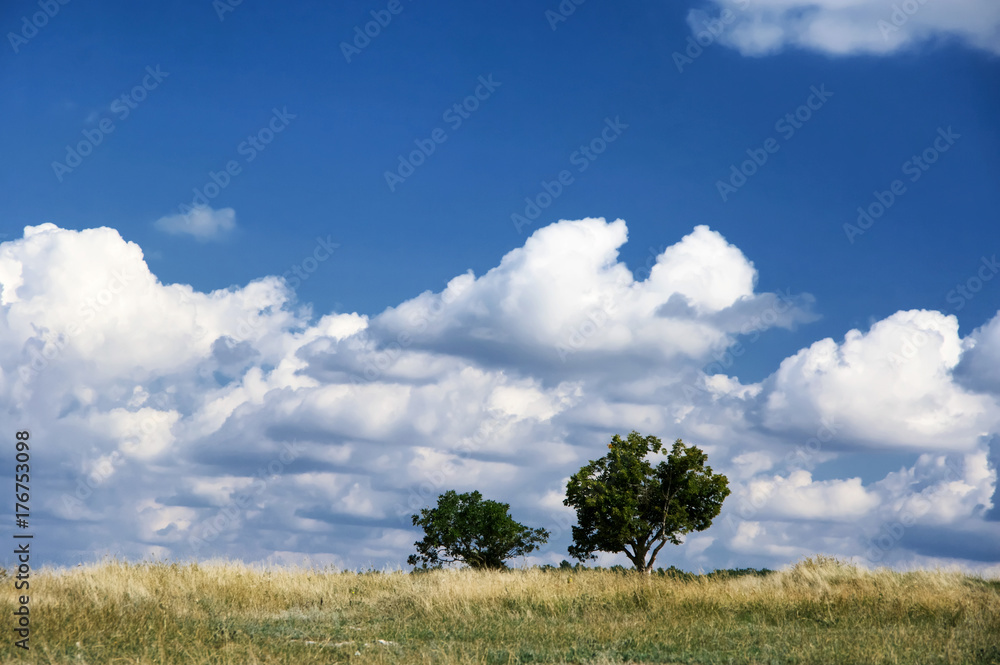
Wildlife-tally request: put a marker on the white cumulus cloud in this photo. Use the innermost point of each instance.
(172, 422)
(890, 387)
(842, 27)
(201, 222)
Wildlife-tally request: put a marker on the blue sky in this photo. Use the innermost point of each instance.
(681, 118)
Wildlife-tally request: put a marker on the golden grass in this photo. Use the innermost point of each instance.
(819, 611)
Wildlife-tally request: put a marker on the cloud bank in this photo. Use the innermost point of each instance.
(173, 423)
(846, 27)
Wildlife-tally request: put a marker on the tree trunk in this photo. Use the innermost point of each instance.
(640, 560)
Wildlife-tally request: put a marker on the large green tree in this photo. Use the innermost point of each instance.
(464, 528)
(625, 504)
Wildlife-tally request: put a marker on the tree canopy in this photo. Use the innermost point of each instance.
(625, 504)
(464, 528)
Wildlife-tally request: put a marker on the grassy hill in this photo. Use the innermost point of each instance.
(820, 611)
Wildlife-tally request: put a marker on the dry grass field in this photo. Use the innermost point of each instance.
(820, 611)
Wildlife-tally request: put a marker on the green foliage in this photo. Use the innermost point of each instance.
(673, 572)
(728, 573)
(625, 504)
(466, 529)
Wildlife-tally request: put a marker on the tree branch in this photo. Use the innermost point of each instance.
(652, 557)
